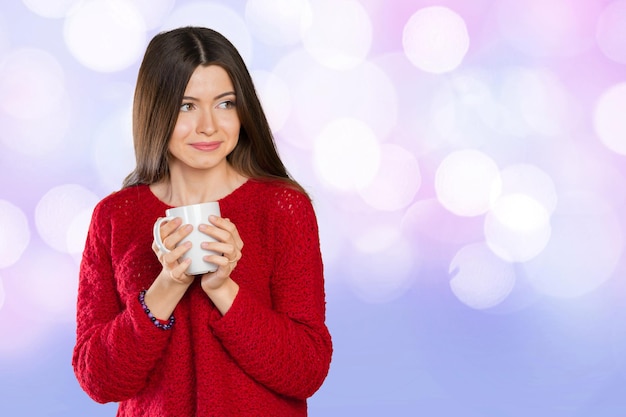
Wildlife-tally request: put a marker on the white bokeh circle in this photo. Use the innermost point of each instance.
(50, 8)
(15, 235)
(24, 135)
(548, 27)
(586, 244)
(49, 287)
(480, 279)
(320, 95)
(58, 214)
(467, 182)
(278, 22)
(532, 181)
(375, 237)
(380, 276)
(464, 109)
(397, 181)
(105, 35)
(154, 12)
(611, 31)
(517, 228)
(33, 94)
(608, 118)
(346, 155)
(340, 34)
(539, 99)
(435, 39)
(32, 84)
(77, 232)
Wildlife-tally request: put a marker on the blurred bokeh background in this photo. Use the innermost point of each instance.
(467, 163)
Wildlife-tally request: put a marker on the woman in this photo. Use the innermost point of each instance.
(246, 340)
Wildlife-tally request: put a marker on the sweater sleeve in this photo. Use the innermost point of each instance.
(286, 347)
(116, 345)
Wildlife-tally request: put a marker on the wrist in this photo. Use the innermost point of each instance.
(163, 296)
(224, 295)
(160, 323)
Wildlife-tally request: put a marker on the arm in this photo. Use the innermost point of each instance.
(117, 345)
(287, 348)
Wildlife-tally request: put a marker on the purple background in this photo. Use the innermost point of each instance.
(465, 158)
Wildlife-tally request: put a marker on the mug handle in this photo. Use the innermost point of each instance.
(156, 231)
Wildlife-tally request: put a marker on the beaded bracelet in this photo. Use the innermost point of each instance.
(157, 323)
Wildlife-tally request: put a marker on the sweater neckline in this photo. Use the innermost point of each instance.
(226, 197)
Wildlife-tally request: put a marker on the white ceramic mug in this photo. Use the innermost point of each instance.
(194, 215)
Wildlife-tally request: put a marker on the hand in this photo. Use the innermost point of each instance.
(228, 243)
(173, 267)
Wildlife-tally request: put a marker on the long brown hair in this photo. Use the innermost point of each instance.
(170, 59)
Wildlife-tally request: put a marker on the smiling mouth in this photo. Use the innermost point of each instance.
(206, 146)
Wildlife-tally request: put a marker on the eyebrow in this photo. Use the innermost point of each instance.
(217, 97)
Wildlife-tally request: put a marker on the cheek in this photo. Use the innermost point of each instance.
(234, 130)
(181, 130)
(233, 126)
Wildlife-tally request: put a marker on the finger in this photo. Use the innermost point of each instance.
(168, 227)
(222, 222)
(159, 253)
(235, 234)
(178, 273)
(221, 261)
(226, 249)
(180, 268)
(177, 236)
(173, 257)
(224, 225)
(215, 232)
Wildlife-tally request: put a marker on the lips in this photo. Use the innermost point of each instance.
(206, 146)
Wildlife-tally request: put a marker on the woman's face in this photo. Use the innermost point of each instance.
(207, 128)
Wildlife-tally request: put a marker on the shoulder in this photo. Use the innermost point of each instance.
(279, 196)
(118, 212)
(124, 197)
(288, 208)
(121, 201)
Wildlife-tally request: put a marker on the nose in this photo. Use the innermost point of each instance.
(206, 123)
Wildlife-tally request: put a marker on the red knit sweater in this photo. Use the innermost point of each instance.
(264, 357)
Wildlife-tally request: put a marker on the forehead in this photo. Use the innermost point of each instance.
(209, 80)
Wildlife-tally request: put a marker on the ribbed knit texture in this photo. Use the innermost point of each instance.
(264, 357)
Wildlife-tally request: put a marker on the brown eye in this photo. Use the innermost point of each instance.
(228, 104)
